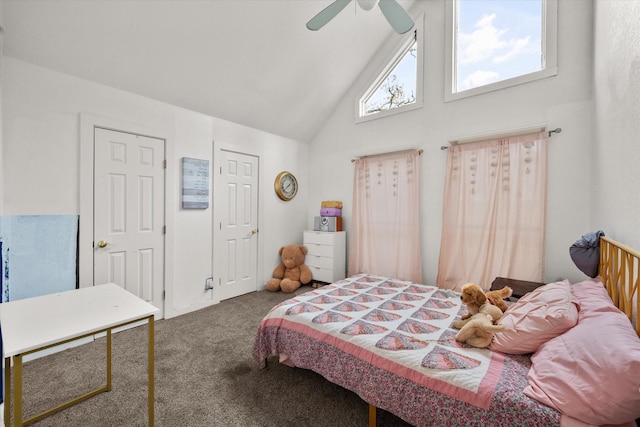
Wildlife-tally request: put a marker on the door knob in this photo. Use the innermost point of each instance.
(102, 244)
(254, 231)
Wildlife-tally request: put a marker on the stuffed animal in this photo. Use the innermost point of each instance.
(478, 330)
(487, 309)
(292, 272)
(474, 297)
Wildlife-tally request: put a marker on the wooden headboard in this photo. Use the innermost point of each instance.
(619, 270)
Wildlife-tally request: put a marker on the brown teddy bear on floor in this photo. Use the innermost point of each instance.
(292, 272)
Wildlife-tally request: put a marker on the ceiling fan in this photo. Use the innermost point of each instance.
(395, 14)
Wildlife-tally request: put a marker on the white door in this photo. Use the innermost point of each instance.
(236, 225)
(128, 241)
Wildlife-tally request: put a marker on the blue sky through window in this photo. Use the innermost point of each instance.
(497, 40)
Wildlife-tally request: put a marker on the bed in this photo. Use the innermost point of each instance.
(390, 341)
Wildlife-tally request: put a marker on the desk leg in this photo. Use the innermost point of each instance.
(17, 390)
(372, 416)
(151, 370)
(7, 391)
(108, 387)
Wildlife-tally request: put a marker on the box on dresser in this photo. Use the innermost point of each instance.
(326, 255)
(330, 212)
(331, 204)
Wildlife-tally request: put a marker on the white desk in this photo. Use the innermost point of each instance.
(35, 324)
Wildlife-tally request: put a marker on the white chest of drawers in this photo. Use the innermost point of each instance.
(326, 256)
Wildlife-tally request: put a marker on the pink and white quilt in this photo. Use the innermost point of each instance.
(391, 342)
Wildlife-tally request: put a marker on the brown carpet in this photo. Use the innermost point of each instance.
(205, 376)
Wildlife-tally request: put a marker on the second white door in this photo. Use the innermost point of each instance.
(236, 225)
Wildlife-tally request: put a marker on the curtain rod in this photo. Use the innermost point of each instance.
(502, 135)
(420, 151)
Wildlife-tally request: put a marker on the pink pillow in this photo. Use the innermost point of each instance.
(593, 297)
(538, 316)
(592, 371)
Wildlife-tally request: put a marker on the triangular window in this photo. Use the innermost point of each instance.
(398, 85)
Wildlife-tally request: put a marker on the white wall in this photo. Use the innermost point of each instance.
(616, 159)
(561, 101)
(41, 168)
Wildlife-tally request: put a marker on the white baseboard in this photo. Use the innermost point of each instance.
(174, 312)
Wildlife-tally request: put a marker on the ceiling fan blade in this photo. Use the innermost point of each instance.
(327, 14)
(396, 15)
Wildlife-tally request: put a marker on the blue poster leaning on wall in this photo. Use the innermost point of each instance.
(43, 255)
(44, 252)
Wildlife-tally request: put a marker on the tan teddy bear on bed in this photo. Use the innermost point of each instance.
(474, 297)
(478, 329)
(292, 272)
(478, 325)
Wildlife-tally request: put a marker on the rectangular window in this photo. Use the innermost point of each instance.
(494, 44)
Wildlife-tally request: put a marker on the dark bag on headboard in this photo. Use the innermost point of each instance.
(585, 253)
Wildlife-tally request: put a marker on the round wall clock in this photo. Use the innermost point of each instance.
(286, 186)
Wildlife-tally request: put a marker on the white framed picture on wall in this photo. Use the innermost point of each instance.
(195, 183)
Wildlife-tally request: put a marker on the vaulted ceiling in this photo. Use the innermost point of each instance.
(252, 62)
